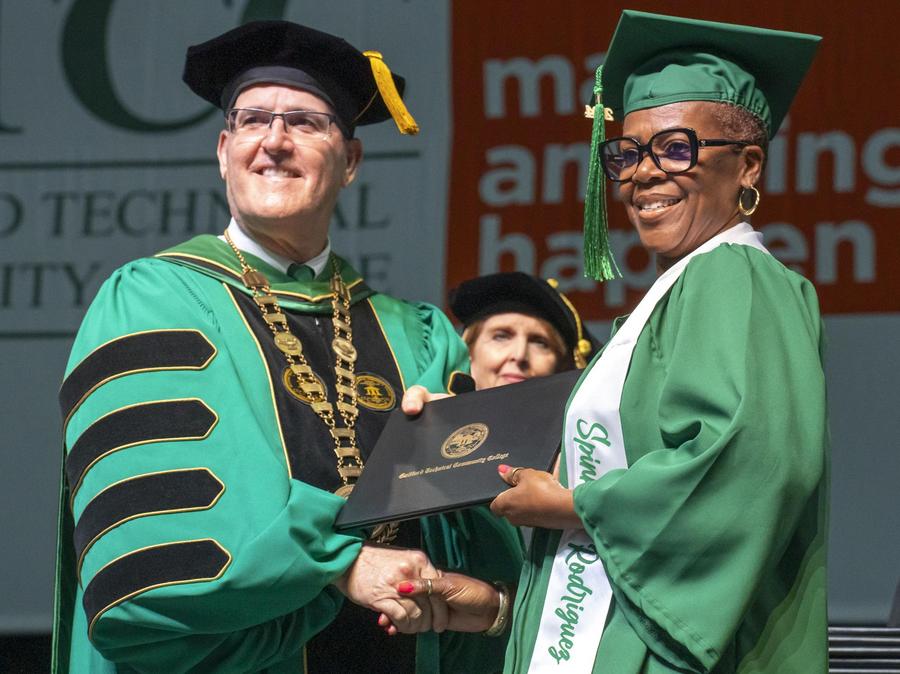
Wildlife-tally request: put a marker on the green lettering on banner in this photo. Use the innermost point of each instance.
(261, 10)
(86, 65)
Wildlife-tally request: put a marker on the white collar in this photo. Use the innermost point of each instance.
(243, 241)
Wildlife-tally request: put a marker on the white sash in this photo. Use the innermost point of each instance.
(578, 593)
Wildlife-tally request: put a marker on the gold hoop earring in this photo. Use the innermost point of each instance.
(744, 210)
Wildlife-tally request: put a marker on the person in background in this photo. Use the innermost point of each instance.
(687, 529)
(518, 326)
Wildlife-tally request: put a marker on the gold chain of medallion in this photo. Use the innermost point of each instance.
(349, 459)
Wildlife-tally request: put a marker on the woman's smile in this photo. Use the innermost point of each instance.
(653, 207)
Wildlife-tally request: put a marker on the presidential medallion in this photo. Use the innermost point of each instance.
(301, 390)
(288, 343)
(374, 393)
(464, 440)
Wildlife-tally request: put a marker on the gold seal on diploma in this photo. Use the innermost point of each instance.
(374, 393)
(464, 441)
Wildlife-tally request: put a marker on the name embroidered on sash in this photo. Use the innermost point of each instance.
(585, 441)
(572, 601)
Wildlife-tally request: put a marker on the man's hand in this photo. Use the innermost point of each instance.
(415, 398)
(372, 582)
(472, 604)
(536, 499)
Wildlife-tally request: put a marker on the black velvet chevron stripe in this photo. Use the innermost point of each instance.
(156, 493)
(148, 422)
(137, 572)
(156, 350)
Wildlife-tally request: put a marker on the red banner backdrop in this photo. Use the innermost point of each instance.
(522, 72)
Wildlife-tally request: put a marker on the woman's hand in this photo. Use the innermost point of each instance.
(536, 499)
(471, 604)
(371, 581)
(415, 398)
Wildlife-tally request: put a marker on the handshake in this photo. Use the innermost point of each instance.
(410, 595)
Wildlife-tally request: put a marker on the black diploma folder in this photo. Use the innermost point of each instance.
(446, 458)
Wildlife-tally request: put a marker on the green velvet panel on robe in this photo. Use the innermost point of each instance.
(273, 592)
(714, 538)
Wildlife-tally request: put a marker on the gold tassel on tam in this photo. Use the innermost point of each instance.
(389, 94)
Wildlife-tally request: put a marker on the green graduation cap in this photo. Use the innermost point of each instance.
(655, 60)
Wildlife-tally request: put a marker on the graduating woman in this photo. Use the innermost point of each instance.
(687, 528)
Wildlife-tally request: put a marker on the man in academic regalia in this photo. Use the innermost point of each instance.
(222, 397)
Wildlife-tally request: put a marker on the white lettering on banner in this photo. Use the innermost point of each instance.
(557, 158)
(511, 177)
(873, 160)
(519, 164)
(558, 71)
(788, 243)
(521, 176)
(512, 183)
(491, 247)
(810, 146)
(528, 74)
(830, 235)
(566, 264)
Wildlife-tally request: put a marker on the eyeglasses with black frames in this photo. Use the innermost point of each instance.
(673, 151)
(301, 124)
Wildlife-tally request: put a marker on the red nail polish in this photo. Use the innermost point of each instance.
(405, 588)
(503, 468)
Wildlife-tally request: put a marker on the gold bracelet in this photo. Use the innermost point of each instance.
(499, 626)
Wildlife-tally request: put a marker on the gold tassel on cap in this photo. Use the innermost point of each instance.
(389, 94)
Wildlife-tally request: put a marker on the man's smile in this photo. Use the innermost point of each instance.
(277, 172)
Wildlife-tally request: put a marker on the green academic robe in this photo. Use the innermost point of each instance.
(196, 525)
(714, 537)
